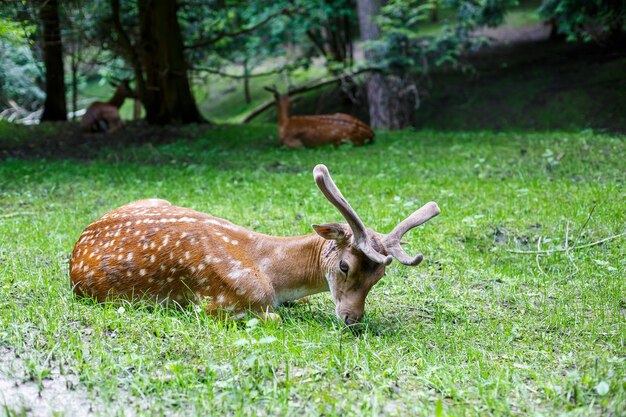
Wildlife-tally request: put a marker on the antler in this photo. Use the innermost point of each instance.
(392, 240)
(359, 233)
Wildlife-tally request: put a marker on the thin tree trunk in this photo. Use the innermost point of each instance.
(55, 107)
(246, 82)
(392, 98)
(74, 66)
(137, 109)
(434, 13)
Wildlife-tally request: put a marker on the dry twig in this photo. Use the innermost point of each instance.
(18, 213)
(566, 249)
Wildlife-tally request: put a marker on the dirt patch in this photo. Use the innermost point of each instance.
(55, 394)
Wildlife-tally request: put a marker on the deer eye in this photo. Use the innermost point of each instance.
(344, 267)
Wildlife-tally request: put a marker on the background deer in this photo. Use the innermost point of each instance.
(105, 117)
(153, 249)
(323, 129)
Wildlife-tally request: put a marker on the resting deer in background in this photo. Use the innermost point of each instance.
(152, 249)
(105, 117)
(318, 130)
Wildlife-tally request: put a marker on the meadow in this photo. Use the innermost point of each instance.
(475, 330)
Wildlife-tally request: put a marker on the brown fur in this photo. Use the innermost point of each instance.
(312, 131)
(105, 116)
(152, 249)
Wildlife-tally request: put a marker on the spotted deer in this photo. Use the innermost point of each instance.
(105, 116)
(151, 248)
(317, 130)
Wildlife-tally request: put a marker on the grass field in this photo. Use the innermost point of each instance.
(475, 330)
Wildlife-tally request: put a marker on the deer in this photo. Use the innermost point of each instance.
(151, 249)
(317, 130)
(105, 116)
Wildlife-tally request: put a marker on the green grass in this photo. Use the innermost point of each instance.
(474, 330)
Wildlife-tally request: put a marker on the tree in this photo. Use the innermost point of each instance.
(585, 19)
(395, 46)
(158, 60)
(21, 76)
(391, 96)
(55, 107)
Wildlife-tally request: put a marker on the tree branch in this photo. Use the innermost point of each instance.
(236, 76)
(221, 35)
(303, 89)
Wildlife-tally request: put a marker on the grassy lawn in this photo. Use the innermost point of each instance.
(474, 330)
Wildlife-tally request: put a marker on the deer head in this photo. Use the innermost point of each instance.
(356, 258)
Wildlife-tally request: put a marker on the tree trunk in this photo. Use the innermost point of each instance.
(392, 98)
(167, 95)
(74, 66)
(392, 101)
(434, 13)
(55, 107)
(136, 109)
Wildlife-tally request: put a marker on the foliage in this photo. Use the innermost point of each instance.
(585, 19)
(286, 36)
(473, 331)
(20, 71)
(402, 47)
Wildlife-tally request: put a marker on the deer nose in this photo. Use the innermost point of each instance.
(349, 321)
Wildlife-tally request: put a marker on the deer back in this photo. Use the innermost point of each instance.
(317, 130)
(101, 117)
(105, 116)
(329, 129)
(153, 249)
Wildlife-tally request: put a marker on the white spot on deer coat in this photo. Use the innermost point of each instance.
(238, 273)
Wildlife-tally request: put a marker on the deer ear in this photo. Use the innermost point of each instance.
(331, 231)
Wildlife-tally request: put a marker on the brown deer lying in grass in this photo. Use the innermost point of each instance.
(153, 249)
(105, 117)
(317, 130)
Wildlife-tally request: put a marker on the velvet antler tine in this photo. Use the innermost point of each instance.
(332, 194)
(392, 240)
(420, 216)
